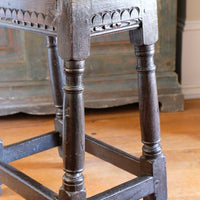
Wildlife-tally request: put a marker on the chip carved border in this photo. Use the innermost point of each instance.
(101, 22)
(115, 19)
(27, 19)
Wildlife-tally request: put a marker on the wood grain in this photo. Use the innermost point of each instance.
(180, 133)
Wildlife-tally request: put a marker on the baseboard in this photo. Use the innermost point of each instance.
(186, 26)
(192, 25)
(191, 91)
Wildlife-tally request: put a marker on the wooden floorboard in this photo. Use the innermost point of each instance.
(119, 127)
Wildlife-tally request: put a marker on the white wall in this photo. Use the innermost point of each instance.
(190, 71)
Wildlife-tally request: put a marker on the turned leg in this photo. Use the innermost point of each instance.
(57, 81)
(73, 47)
(56, 74)
(73, 133)
(152, 160)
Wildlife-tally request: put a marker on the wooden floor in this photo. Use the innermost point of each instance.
(120, 127)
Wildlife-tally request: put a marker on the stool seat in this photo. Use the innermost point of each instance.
(69, 26)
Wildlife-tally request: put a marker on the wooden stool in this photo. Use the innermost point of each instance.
(74, 22)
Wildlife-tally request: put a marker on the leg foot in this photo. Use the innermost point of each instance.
(74, 184)
(157, 169)
(63, 195)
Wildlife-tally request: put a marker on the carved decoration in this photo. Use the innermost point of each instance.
(115, 19)
(27, 18)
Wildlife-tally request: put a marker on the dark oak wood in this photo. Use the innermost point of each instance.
(152, 161)
(73, 132)
(74, 22)
(148, 103)
(24, 185)
(134, 190)
(113, 155)
(31, 146)
(56, 74)
(57, 81)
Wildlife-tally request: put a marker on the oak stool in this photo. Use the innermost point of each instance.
(69, 26)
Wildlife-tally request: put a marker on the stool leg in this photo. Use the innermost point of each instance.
(73, 47)
(152, 160)
(57, 82)
(73, 133)
(56, 74)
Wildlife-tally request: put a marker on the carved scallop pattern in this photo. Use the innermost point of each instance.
(9, 13)
(115, 19)
(125, 15)
(34, 17)
(107, 18)
(97, 20)
(26, 18)
(20, 15)
(2, 12)
(135, 13)
(41, 18)
(14, 14)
